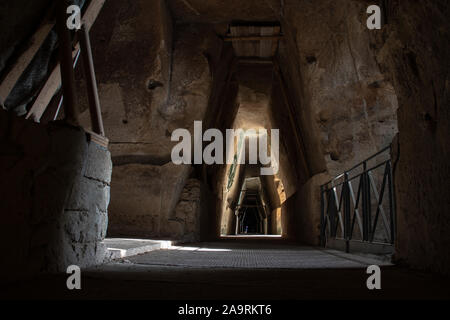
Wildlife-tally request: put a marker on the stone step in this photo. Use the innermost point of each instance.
(119, 248)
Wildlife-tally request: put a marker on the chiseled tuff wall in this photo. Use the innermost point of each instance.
(54, 187)
(346, 107)
(415, 53)
(163, 87)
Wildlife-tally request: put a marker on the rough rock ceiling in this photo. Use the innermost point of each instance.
(217, 11)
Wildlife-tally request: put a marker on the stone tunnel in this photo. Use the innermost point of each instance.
(357, 117)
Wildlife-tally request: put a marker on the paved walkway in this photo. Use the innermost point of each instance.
(236, 270)
(253, 256)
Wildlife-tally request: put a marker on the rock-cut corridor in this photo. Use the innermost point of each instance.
(239, 149)
(236, 269)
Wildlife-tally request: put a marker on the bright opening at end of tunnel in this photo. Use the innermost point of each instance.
(252, 206)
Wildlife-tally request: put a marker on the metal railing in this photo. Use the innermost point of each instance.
(368, 215)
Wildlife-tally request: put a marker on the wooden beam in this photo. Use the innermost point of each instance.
(54, 81)
(24, 60)
(98, 139)
(52, 111)
(48, 91)
(252, 38)
(92, 13)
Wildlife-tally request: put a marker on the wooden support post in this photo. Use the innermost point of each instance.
(54, 81)
(94, 101)
(65, 57)
(50, 88)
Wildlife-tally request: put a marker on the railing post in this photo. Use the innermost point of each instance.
(322, 217)
(391, 202)
(369, 205)
(332, 212)
(366, 203)
(346, 199)
(66, 62)
(330, 207)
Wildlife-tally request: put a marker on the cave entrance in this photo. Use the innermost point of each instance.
(250, 222)
(252, 211)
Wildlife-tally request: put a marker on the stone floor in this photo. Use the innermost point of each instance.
(253, 256)
(236, 269)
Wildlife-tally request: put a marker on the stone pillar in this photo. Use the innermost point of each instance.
(54, 184)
